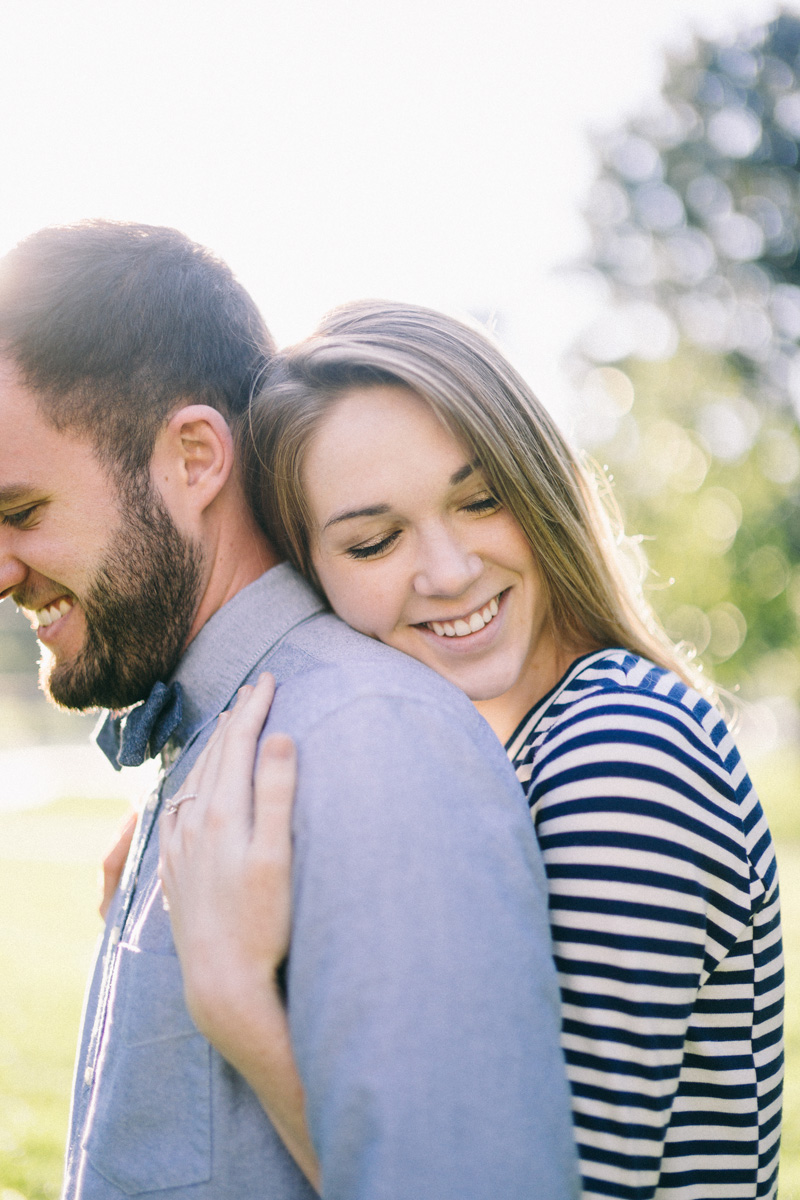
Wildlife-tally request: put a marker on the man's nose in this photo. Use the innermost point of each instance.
(12, 571)
(447, 567)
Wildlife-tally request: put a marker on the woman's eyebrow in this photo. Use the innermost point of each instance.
(464, 472)
(372, 510)
(380, 510)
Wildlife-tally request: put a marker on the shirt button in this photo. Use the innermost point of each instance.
(114, 937)
(152, 802)
(88, 1076)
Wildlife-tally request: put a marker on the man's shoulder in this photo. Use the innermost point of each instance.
(333, 668)
(390, 752)
(327, 671)
(323, 639)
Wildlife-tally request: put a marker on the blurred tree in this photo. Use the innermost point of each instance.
(695, 230)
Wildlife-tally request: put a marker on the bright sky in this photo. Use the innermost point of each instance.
(428, 150)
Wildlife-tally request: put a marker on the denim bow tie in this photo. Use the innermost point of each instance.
(128, 738)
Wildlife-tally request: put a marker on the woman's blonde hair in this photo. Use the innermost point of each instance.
(594, 592)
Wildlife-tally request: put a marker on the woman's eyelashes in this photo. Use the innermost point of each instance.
(483, 505)
(480, 505)
(374, 549)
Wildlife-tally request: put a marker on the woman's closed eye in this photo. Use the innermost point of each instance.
(483, 504)
(374, 548)
(480, 506)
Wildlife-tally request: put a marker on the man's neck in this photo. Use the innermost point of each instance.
(237, 563)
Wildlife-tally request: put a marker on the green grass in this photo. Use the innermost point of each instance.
(777, 779)
(48, 897)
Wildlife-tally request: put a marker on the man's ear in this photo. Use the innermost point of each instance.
(193, 458)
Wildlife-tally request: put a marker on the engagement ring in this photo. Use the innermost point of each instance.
(172, 806)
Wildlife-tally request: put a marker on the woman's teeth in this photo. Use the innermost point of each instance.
(465, 625)
(46, 616)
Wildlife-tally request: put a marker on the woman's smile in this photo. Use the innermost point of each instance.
(412, 547)
(469, 623)
(472, 633)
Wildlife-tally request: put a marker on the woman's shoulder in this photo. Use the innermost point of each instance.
(633, 693)
(641, 753)
(620, 707)
(607, 684)
(638, 738)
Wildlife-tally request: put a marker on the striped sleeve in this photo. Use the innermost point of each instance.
(665, 921)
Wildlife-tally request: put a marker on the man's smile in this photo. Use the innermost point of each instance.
(50, 612)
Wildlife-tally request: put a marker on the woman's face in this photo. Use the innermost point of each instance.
(412, 548)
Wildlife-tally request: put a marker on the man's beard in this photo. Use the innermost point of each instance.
(138, 612)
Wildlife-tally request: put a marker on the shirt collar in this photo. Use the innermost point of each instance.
(235, 638)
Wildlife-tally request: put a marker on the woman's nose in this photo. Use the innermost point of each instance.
(447, 567)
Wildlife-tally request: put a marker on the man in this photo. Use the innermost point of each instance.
(426, 1025)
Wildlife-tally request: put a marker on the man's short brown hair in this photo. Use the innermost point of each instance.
(115, 325)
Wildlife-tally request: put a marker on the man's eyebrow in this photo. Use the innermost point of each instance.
(372, 510)
(15, 492)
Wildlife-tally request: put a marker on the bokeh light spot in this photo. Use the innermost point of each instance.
(767, 572)
(691, 256)
(719, 515)
(728, 427)
(787, 113)
(779, 456)
(786, 310)
(734, 132)
(636, 159)
(690, 476)
(659, 206)
(709, 196)
(728, 631)
(689, 626)
(738, 237)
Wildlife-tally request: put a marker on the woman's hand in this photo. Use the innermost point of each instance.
(226, 858)
(225, 868)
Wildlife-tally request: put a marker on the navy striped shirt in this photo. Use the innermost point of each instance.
(666, 930)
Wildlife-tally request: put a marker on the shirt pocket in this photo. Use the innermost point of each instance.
(149, 1127)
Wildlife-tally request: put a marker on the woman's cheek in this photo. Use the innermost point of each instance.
(348, 598)
(368, 596)
(374, 604)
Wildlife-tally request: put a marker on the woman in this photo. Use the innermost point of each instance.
(406, 470)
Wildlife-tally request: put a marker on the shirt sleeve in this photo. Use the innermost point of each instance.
(643, 824)
(422, 995)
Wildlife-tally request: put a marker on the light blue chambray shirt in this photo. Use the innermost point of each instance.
(422, 996)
